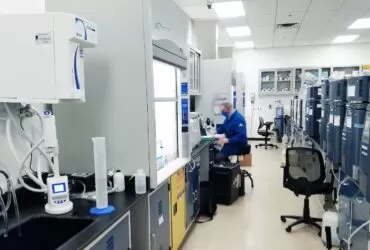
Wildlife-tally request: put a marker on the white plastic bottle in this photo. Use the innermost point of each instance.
(119, 181)
(140, 182)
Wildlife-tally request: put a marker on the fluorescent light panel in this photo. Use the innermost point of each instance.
(239, 31)
(362, 23)
(345, 39)
(245, 45)
(229, 9)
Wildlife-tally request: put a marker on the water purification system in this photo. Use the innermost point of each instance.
(357, 96)
(48, 48)
(279, 121)
(347, 142)
(313, 111)
(358, 89)
(300, 113)
(338, 96)
(364, 170)
(325, 110)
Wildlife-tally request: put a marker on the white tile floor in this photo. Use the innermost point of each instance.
(253, 222)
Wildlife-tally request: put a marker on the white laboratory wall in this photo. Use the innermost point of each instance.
(21, 6)
(118, 89)
(251, 61)
(216, 81)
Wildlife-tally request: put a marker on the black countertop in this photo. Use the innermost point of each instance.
(122, 203)
(200, 147)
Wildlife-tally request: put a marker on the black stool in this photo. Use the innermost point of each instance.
(246, 150)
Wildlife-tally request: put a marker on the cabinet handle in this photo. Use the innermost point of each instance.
(196, 197)
(154, 238)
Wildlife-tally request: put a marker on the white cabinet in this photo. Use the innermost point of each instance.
(194, 72)
(169, 22)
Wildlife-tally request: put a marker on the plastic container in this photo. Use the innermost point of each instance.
(119, 181)
(330, 219)
(140, 182)
(161, 157)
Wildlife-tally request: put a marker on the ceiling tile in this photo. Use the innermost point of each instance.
(261, 6)
(268, 29)
(343, 19)
(284, 37)
(184, 3)
(257, 19)
(293, 5)
(200, 12)
(239, 21)
(263, 44)
(355, 4)
(322, 17)
(318, 5)
(289, 17)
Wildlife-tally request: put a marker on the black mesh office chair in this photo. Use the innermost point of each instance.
(266, 133)
(304, 174)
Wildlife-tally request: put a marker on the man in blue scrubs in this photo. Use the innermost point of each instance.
(234, 130)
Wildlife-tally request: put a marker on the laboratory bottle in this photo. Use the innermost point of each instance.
(119, 181)
(140, 182)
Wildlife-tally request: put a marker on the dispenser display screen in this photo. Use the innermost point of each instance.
(59, 188)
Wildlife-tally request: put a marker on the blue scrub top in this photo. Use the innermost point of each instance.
(235, 129)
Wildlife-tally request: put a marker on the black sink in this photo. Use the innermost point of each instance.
(43, 233)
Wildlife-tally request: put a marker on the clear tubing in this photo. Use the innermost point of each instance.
(5, 215)
(10, 140)
(100, 172)
(16, 208)
(29, 173)
(355, 232)
(14, 121)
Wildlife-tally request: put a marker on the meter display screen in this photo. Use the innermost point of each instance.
(59, 188)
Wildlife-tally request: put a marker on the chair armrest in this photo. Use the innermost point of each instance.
(268, 125)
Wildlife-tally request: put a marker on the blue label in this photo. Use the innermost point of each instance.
(234, 99)
(184, 88)
(185, 111)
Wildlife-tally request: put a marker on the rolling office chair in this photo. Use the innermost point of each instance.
(266, 133)
(304, 174)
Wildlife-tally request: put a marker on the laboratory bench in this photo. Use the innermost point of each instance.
(160, 219)
(116, 230)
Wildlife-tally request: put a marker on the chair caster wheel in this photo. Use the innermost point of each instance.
(256, 146)
(288, 229)
(319, 233)
(283, 219)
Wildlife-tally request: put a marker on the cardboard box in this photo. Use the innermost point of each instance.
(246, 160)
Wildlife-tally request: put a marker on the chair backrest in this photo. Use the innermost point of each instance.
(304, 166)
(262, 122)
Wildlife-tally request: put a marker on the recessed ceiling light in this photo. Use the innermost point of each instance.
(239, 31)
(245, 45)
(362, 23)
(229, 9)
(345, 39)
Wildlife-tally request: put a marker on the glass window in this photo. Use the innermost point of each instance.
(166, 128)
(164, 80)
